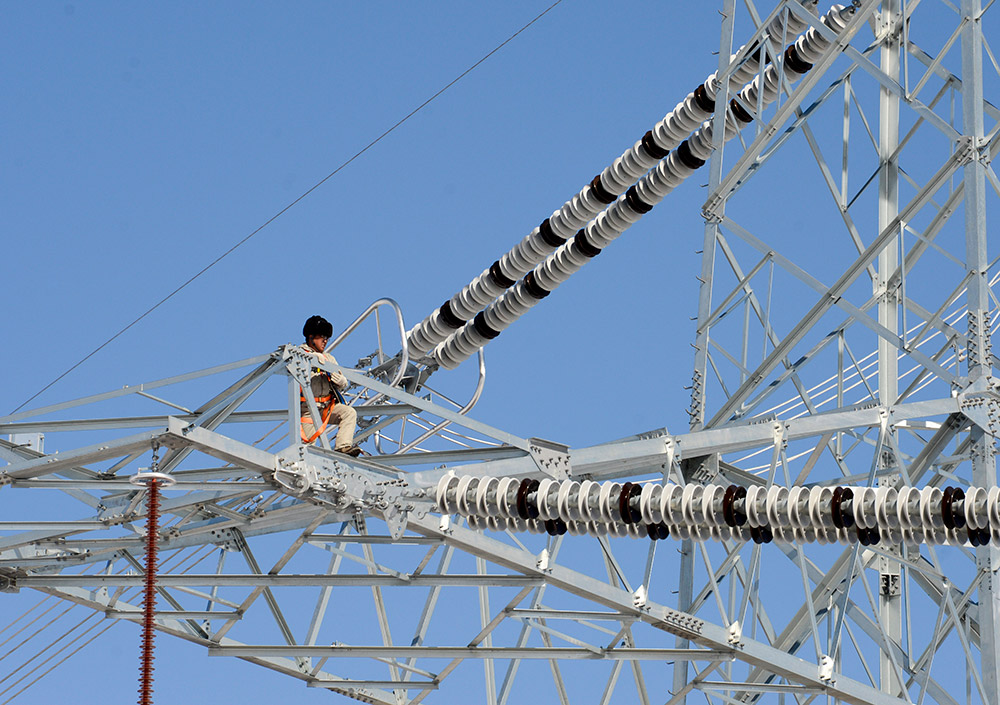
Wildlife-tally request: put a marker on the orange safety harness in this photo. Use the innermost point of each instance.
(330, 400)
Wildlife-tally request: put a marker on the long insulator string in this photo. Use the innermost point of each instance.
(821, 514)
(564, 222)
(149, 596)
(665, 176)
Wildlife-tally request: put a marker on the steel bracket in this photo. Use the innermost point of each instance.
(551, 458)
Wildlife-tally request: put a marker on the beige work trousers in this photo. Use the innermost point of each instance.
(346, 419)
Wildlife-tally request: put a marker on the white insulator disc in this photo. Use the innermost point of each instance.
(846, 536)
(517, 525)
(698, 532)
(782, 534)
(547, 499)
(596, 528)
(756, 506)
(864, 507)
(891, 535)
(954, 537)
(670, 504)
(777, 507)
(740, 533)
(931, 536)
(821, 536)
(993, 501)
(574, 529)
(446, 488)
(590, 500)
(711, 505)
(798, 507)
(486, 497)
(466, 495)
(930, 507)
(495, 523)
(609, 501)
(805, 534)
(977, 508)
(819, 506)
(691, 503)
(681, 531)
(507, 497)
(534, 526)
(886, 500)
(911, 537)
(649, 503)
(908, 508)
(569, 501)
(618, 529)
(477, 523)
(995, 537)
(637, 531)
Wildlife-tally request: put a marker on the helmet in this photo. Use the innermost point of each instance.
(317, 325)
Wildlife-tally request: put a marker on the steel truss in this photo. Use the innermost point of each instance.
(870, 378)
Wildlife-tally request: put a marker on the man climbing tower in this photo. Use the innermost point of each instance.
(326, 388)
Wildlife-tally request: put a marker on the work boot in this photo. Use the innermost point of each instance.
(352, 451)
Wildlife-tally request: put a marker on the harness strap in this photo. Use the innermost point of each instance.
(309, 419)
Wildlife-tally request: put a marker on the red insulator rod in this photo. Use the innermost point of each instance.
(149, 596)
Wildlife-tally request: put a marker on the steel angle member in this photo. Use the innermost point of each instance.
(551, 458)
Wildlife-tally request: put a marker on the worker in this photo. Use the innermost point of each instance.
(326, 389)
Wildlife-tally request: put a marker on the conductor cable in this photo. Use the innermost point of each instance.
(277, 215)
(553, 232)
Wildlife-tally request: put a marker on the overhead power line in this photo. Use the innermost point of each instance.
(286, 208)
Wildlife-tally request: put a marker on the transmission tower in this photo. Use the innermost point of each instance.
(828, 526)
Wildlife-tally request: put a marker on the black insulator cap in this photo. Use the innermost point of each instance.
(635, 202)
(740, 505)
(794, 61)
(527, 509)
(702, 100)
(652, 149)
(727, 505)
(978, 537)
(739, 112)
(687, 157)
(499, 278)
(657, 532)
(629, 514)
(601, 193)
(549, 235)
(842, 517)
(864, 537)
(754, 52)
(555, 527)
(533, 288)
(951, 509)
(449, 318)
(483, 328)
(973, 535)
(583, 245)
(761, 534)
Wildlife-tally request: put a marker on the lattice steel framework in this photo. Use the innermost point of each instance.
(858, 353)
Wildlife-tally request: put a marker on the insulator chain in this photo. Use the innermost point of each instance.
(867, 515)
(665, 173)
(614, 180)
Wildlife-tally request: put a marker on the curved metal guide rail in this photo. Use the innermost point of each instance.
(833, 505)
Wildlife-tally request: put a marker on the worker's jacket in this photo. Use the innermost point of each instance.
(326, 386)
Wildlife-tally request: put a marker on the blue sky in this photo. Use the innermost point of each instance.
(142, 141)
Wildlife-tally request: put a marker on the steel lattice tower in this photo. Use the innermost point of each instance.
(856, 354)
